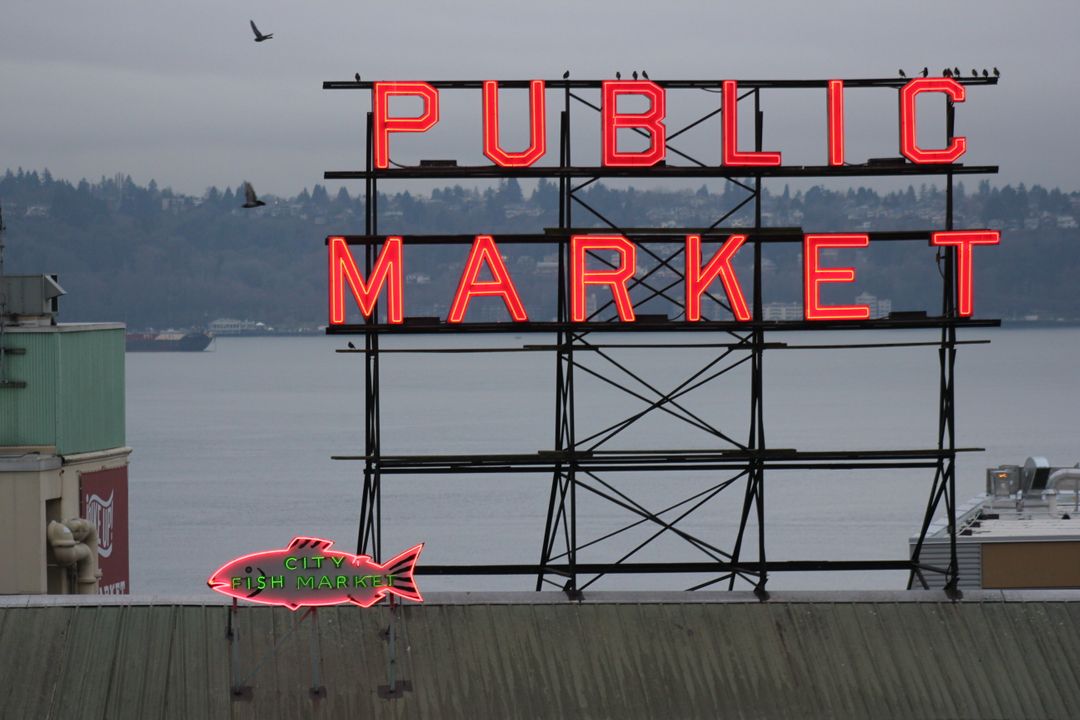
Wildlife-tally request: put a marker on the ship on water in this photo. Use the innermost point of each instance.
(168, 341)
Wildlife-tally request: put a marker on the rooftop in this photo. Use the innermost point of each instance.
(617, 655)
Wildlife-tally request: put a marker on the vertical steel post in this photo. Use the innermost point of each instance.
(391, 657)
(758, 365)
(369, 534)
(948, 360)
(755, 490)
(571, 337)
(237, 689)
(562, 505)
(317, 689)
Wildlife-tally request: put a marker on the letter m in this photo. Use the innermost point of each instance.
(344, 271)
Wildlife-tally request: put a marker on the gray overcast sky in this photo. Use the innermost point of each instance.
(178, 91)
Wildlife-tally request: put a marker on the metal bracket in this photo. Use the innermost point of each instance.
(953, 592)
(400, 688)
(572, 593)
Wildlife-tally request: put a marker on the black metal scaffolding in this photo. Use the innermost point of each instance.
(739, 460)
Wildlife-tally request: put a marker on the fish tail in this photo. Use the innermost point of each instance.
(401, 567)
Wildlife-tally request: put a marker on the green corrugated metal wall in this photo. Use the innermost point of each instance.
(74, 394)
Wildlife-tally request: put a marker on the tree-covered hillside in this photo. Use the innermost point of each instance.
(152, 257)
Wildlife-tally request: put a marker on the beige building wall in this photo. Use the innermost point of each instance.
(36, 487)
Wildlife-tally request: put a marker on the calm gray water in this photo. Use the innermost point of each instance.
(232, 448)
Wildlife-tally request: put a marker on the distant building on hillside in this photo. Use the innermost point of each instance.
(879, 307)
(782, 311)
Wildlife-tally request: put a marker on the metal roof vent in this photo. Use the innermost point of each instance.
(30, 299)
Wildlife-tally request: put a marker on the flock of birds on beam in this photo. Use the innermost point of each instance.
(955, 72)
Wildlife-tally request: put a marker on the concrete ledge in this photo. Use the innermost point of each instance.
(592, 598)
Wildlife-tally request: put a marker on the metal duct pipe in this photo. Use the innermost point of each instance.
(1066, 476)
(75, 542)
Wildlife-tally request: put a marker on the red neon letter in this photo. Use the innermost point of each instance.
(836, 122)
(387, 271)
(698, 278)
(580, 245)
(652, 121)
(964, 241)
(384, 124)
(814, 276)
(730, 139)
(908, 143)
(485, 251)
(537, 128)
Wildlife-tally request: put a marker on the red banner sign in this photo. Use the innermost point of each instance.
(103, 500)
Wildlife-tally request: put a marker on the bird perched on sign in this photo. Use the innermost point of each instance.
(974, 72)
(250, 201)
(634, 74)
(996, 73)
(956, 72)
(357, 76)
(946, 72)
(566, 75)
(644, 74)
(902, 73)
(925, 72)
(986, 73)
(259, 37)
(618, 75)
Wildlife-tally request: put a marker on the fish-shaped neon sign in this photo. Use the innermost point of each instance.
(307, 573)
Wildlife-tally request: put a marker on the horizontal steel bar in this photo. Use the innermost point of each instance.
(609, 455)
(657, 461)
(661, 171)
(748, 346)
(673, 567)
(572, 83)
(639, 235)
(657, 466)
(651, 325)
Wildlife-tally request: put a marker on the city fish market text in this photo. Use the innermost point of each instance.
(307, 573)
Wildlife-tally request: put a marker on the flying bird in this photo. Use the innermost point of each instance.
(996, 73)
(259, 37)
(925, 72)
(250, 201)
(902, 73)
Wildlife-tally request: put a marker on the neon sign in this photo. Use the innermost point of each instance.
(606, 263)
(388, 272)
(307, 573)
(651, 123)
